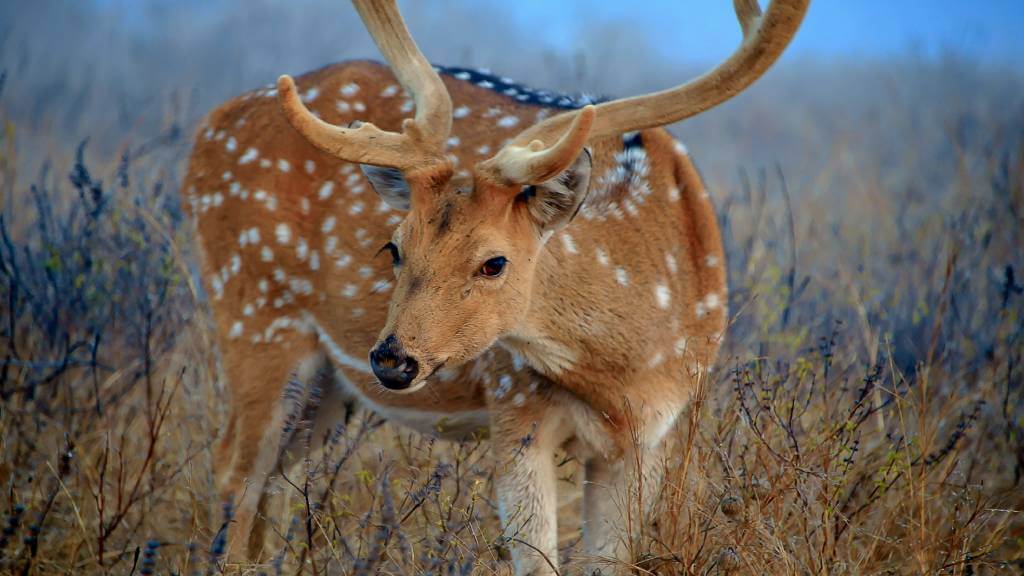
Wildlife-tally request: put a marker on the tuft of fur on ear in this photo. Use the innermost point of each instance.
(554, 203)
(390, 183)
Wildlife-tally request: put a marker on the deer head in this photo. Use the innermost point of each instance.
(465, 256)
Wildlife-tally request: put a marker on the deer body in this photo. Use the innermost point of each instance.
(554, 294)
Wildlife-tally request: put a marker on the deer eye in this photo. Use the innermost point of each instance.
(493, 267)
(396, 258)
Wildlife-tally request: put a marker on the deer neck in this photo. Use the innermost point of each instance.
(566, 329)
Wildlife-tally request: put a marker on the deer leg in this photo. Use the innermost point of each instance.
(327, 411)
(264, 396)
(526, 486)
(618, 496)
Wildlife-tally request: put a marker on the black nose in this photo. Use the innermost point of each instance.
(393, 367)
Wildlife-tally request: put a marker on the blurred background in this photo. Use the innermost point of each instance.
(114, 69)
(870, 189)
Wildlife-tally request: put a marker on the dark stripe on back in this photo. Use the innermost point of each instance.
(525, 94)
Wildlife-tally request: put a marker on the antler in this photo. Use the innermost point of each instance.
(421, 142)
(764, 39)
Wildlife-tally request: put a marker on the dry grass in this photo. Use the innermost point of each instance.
(866, 417)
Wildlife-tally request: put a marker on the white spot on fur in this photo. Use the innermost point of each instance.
(349, 291)
(656, 360)
(236, 330)
(356, 208)
(662, 295)
(518, 399)
(311, 94)
(349, 89)
(250, 155)
(569, 244)
(461, 112)
(483, 150)
(231, 144)
(453, 142)
(283, 233)
(602, 257)
(621, 276)
(508, 121)
(680, 346)
(254, 235)
(328, 224)
(283, 165)
(266, 254)
(314, 261)
(389, 91)
(326, 189)
(670, 262)
(504, 386)
(712, 301)
(711, 261)
(309, 166)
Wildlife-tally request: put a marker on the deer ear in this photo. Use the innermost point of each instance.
(390, 183)
(553, 204)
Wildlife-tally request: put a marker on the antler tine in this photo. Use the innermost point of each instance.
(764, 38)
(414, 72)
(748, 12)
(533, 163)
(421, 142)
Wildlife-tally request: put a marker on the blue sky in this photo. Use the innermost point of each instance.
(706, 29)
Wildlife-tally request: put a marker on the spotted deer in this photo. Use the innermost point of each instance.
(461, 253)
